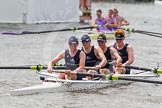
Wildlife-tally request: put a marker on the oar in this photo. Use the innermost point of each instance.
(154, 70)
(154, 34)
(149, 32)
(110, 77)
(48, 31)
(32, 67)
(39, 67)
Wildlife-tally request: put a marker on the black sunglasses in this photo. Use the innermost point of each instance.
(84, 41)
(118, 39)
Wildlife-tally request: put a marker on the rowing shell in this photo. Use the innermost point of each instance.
(109, 35)
(53, 84)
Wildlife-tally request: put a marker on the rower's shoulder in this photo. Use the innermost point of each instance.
(111, 48)
(97, 49)
(82, 52)
(129, 47)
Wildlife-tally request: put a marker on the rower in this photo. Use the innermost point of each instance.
(100, 22)
(93, 53)
(74, 60)
(109, 52)
(125, 50)
(111, 23)
(121, 21)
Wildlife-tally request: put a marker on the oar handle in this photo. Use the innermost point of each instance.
(137, 68)
(90, 68)
(63, 71)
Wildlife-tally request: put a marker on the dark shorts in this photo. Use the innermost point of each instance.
(79, 77)
(127, 71)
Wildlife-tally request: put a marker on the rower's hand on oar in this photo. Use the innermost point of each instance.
(117, 67)
(49, 69)
(114, 63)
(98, 67)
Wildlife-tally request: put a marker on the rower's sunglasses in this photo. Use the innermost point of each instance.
(72, 43)
(85, 41)
(118, 39)
(101, 41)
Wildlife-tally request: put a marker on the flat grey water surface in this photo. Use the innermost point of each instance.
(40, 48)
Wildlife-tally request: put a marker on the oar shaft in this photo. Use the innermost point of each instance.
(15, 67)
(159, 35)
(32, 67)
(140, 80)
(137, 68)
(154, 70)
(48, 31)
(154, 35)
(41, 67)
(111, 77)
(148, 32)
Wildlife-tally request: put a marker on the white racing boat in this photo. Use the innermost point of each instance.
(53, 84)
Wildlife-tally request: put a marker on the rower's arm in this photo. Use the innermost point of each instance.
(126, 23)
(130, 55)
(115, 23)
(82, 58)
(100, 55)
(115, 54)
(55, 60)
(107, 22)
(94, 22)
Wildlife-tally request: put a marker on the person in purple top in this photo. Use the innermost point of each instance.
(100, 21)
(121, 21)
(111, 23)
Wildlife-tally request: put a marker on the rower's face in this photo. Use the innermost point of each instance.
(98, 14)
(86, 44)
(73, 46)
(115, 12)
(101, 44)
(119, 41)
(110, 13)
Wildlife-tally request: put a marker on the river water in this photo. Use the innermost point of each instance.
(40, 48)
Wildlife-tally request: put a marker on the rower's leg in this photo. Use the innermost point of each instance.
(120, 70)
(62, 76)
(104, 71)
(91, 71)
(70, 77)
